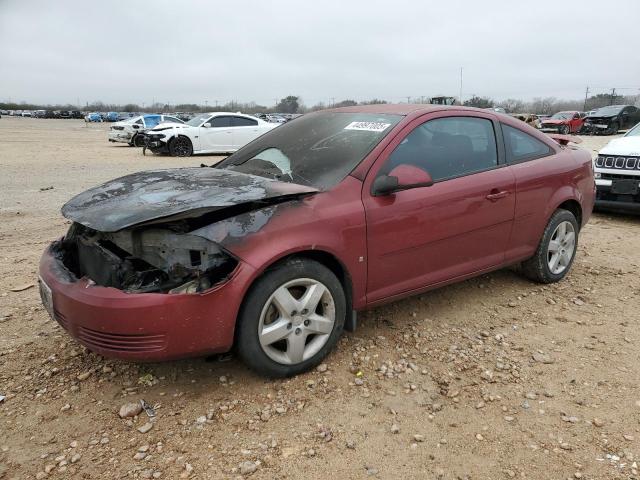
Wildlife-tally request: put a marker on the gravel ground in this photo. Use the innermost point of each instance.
(492, 378)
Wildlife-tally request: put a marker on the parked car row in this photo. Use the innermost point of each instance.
(603, 121)
(43, 113)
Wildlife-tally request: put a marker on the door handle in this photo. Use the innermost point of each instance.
(496, 194)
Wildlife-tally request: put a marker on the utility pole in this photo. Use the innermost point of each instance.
(613, 94)
(408, 99)
(333, 102)
(586, 95)
(460, 85)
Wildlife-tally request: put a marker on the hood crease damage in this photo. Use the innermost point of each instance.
(165, 230)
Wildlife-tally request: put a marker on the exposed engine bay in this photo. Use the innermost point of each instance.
(152, 259)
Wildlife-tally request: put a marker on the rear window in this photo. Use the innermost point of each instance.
(522, 147)
(244, 122)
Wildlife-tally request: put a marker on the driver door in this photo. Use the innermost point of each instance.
(218, 136)
(460, 225)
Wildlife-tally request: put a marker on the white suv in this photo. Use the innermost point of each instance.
(617, 172)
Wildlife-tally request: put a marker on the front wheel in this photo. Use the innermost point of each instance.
(557, 250)
(180, 147)
(613, 128)
(565, 130)
(291, 318)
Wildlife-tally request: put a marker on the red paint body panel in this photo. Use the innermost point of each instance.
(331, 222)
(389, 246)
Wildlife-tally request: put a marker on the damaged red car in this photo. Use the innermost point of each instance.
(564, 123)
(275, 249)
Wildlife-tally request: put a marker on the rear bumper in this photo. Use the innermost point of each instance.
(119, 136)
(148, 326)
(629, 207)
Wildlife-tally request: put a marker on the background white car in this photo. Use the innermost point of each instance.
(129, 131)
(215, 132)
(617, 173)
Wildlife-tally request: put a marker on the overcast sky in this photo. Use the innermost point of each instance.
(196, 51)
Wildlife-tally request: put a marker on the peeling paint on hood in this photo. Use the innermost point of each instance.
(185, 192)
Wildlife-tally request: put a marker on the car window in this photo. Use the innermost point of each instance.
(318, 149)
(152, 120)
(138, 122)
(521, 146)
(219, 122)
(244, 122)
(447, 148)
(172, 119)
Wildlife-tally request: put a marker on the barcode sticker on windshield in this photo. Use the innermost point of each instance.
(368, 126)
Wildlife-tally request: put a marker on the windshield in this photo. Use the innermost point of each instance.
(562, 115)
(196, 121)
(634, 132)
(606, 111)
(317, 149)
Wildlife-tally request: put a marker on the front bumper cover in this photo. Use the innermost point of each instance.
(145, 326)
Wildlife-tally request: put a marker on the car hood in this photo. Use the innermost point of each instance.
(623, 146)
(601, 117)
(173, 194)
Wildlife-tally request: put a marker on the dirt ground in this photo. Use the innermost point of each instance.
(492, 378)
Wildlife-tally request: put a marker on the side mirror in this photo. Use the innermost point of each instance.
(136, 126)
(384, 185)
(402, 177)
(206, 125)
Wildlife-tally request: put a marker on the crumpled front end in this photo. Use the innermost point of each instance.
(144, 295)
(156, 142)
(145, 260)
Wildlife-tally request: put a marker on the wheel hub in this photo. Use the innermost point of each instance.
(296, 321)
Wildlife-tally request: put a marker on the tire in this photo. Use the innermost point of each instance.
(565, 130)
(180, 146)
(613, 128)
(138, 141)
(539, 268)
(303, 339)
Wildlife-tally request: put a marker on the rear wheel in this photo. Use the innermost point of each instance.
(291, 318)
(180, 147)
(556, 252)
(138, 141)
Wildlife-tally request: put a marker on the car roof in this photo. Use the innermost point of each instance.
(407, 109)
(226, 113)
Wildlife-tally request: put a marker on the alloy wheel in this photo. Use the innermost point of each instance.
(296, 321)
(561, 248)
(182, 147)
